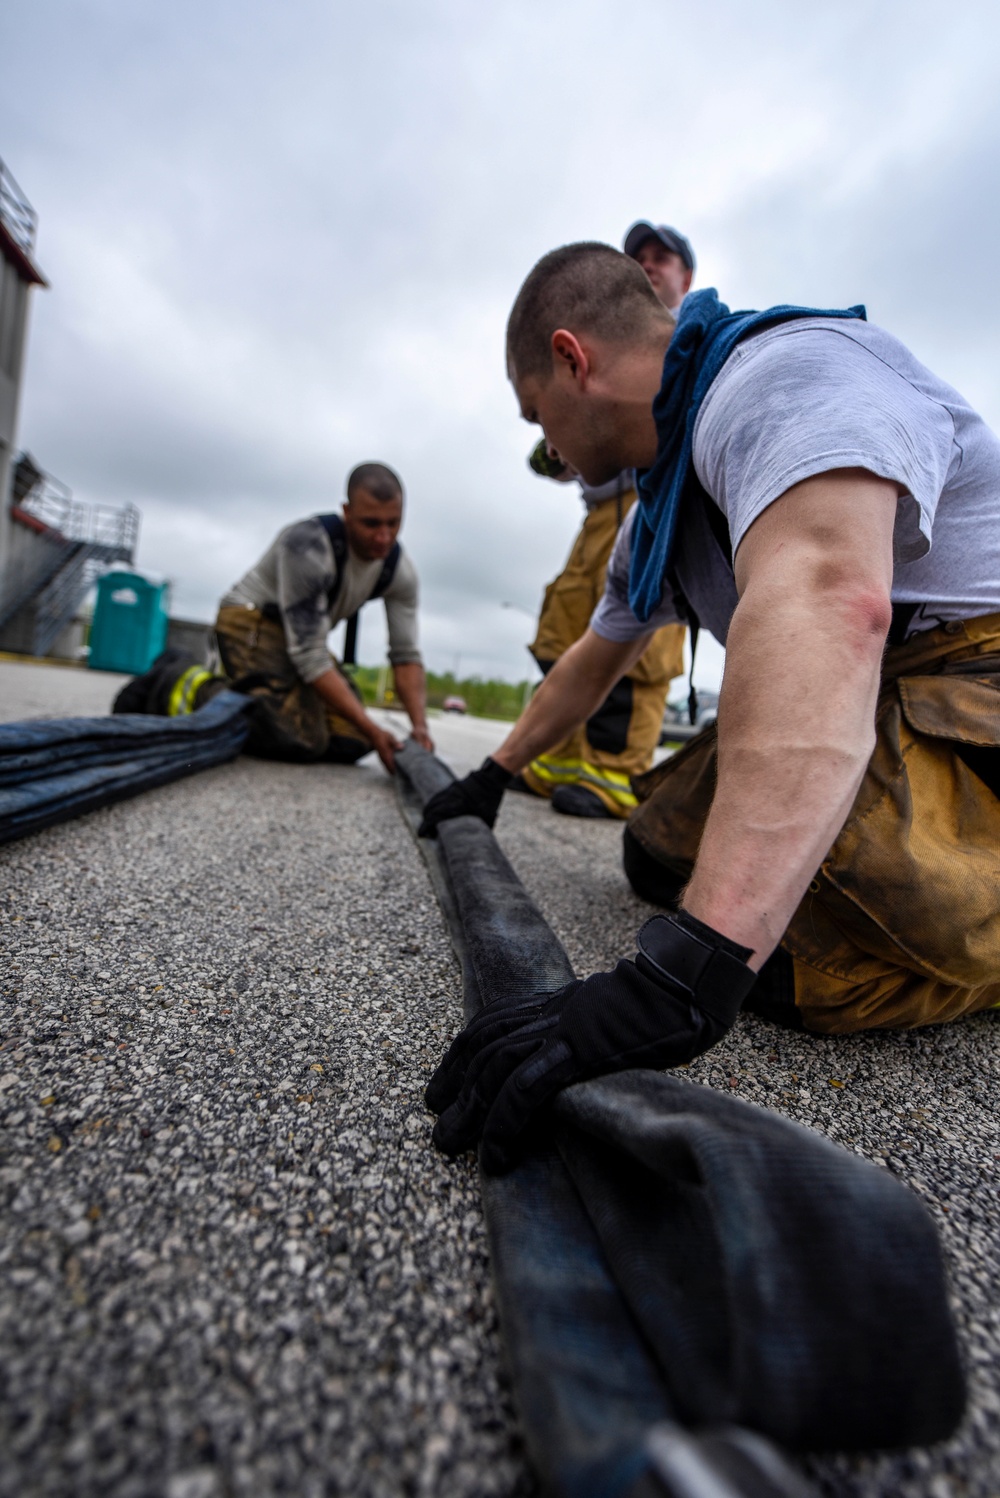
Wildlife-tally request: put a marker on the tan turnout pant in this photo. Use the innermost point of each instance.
(292, 721)
(901, 924)
(618, 741)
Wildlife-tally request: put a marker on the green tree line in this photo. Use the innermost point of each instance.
(484, 699)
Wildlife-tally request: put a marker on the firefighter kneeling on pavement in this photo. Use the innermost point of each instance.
(272, 629)
(829, 854)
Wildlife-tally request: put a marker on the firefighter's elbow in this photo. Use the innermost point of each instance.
(868, 618)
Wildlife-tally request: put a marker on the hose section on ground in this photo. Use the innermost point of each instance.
(599, 1419)
(55, 769)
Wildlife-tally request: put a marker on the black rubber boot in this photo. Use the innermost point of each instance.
(577, 801)
(773, 994)
(150, 692)
(650, 879)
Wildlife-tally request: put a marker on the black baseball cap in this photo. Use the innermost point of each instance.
(669, 238)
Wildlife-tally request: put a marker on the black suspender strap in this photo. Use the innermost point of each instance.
(387, 574)
(693, 628)
(351, 641)
(337, 531)
(902, 618)
(685, 610)
(718, 525)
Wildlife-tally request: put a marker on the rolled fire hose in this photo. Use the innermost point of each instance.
(52, 769)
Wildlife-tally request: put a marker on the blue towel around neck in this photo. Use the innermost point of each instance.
(705, 336)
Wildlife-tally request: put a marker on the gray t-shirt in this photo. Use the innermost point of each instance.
(818, 394)
(297, 573)
(597, 494)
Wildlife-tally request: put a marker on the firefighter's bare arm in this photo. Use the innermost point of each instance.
(336, 692)
(411, 689)
(575, 687)
(797, 710)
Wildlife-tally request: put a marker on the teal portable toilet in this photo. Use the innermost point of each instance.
(129, 628)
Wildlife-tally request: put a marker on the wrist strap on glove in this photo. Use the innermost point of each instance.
(684, 955)
(494, 775)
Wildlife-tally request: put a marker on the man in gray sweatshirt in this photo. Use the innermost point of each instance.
(273, 625)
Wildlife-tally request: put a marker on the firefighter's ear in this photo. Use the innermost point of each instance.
(570, 357)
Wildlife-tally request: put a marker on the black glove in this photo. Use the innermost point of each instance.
(478, 795)
(680, 995)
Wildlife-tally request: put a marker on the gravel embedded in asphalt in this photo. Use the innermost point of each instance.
(230, 1261)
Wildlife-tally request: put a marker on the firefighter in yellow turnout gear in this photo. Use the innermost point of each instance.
(617, 741)
(589, 774)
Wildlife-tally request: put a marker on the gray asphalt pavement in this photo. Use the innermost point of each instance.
(230, 1263)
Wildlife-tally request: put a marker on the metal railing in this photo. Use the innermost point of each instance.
(75, 543)
(57, 603)
(19, 218)
(53, 504)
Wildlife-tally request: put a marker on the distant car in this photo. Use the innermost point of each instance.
(454, 705)
(677, 725)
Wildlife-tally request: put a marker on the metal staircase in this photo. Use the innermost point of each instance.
(64, 546)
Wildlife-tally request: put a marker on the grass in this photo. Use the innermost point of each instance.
(484, 699)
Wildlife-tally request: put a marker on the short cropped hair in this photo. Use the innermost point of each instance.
(376, 479)
(585, 288)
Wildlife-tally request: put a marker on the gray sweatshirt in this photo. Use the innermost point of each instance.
(298, 572)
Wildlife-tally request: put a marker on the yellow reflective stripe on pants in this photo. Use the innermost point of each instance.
(185, 690)
(555, 772)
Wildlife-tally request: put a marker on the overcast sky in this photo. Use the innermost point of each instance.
(284, 237)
